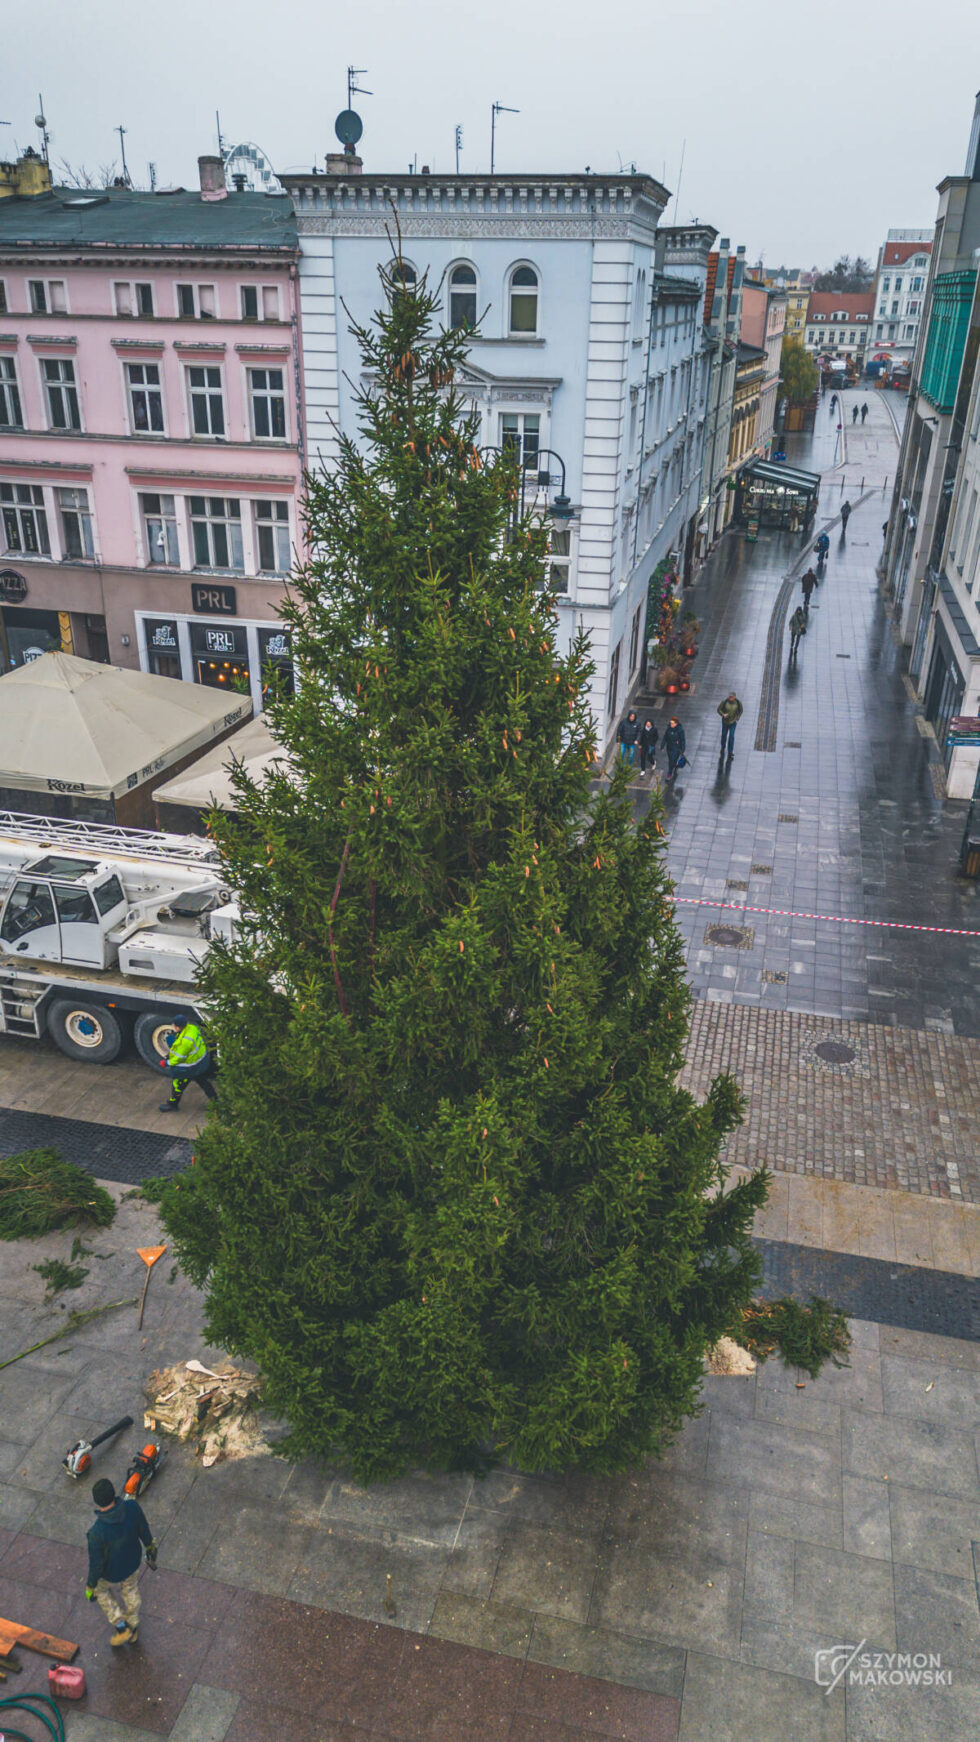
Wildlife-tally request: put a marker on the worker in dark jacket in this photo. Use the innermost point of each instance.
(675, 745)
(731, 712)
(628, 735)
(797, 629)
(115, 1554)
(649, 739)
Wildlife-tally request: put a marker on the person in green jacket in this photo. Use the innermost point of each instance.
(187, 1061)
(731, 712)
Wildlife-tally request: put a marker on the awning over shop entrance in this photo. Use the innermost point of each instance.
(791, 477)
(769, 493)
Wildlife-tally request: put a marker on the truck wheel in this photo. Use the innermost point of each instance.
(83, 1030)
(153, 1035)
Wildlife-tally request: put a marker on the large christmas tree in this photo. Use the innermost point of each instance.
(451, 1198)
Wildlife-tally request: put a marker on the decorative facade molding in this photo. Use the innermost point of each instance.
(507, 227)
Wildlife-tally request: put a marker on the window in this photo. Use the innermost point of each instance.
(250, 302)
(59, 382)
(160, 530)
(144, 299)
(252, 308)
(272, 537)
(29, 909)
(123, 295)
(851, 337)
(520, 435)
(402, 274)
(635, 639)
(206, 304)
(921, 260)
(185, 301)
(3, 297)
(145, 397)
(894, 308)
(523, 300)
(614, 679)
(270, 302)
(38, 294)
(559, 558)
(10, 414)
(913, 308)
(25, 524)
(462, 297)
(639, 300)
(76, 524)
(75, 906)
(910, 330)
(57, 296)
(267, 397)
(216, 527)
(207, 406)
(886, 285)
(898, 282)
(47, 298)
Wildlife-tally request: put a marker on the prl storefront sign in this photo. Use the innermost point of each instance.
(211, 599)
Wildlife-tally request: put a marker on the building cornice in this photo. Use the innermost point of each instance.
(477, 206)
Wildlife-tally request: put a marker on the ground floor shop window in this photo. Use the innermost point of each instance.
(162, 645)
(247, 658)
(220, 655)
(25, 635)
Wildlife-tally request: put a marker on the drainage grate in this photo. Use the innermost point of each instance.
(792, 744)
(735, 883)
(761, 870)
(775, 976)
(835, 1052)
(787, 817)
(843, 656)
(730, 937)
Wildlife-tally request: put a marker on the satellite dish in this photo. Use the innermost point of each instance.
(348, 127)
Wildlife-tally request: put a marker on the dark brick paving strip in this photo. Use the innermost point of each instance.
(904, 1295)
(305, 1674)
(112, 1152)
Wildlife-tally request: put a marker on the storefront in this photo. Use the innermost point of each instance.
(772, 494)
(243, 657)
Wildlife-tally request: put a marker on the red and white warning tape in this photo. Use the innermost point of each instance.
(949, 931)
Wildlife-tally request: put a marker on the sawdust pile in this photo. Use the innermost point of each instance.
(216, 1410)
(728, 1357)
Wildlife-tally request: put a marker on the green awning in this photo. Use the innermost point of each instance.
(768, 472)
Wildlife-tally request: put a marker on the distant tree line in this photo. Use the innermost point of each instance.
(846, 274)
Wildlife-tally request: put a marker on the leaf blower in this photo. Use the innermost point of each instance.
(78, 1458)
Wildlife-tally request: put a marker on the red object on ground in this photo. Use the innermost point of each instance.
(67, 1680)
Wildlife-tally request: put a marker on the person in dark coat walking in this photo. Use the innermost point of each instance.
(731, 712)
(675, 745)
(115, 1553)
(808, 584)
(845, 515)
(797, 629)
(628, 735)
(864, 411)
(649, 739)
(854, 414)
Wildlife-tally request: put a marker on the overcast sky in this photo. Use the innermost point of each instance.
(806, 131)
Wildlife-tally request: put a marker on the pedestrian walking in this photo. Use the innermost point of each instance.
(864, 411)
(675, 745)
(115, 1554)
(731, 712)
(808, 584)
(628, 735)
(845, 515)
(797, 630)
(821, 548)
(833, 403)
(854, 414)
(188, 1061)
(649, 739)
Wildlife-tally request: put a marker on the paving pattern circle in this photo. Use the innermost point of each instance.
(835, 1052)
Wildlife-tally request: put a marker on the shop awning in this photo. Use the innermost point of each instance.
(790, 477)
(207, 783)
(69, 725)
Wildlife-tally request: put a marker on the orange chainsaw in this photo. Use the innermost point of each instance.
(143, 1468)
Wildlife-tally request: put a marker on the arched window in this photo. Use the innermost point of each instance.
(402, 275)
(523, 300)
(462, 296)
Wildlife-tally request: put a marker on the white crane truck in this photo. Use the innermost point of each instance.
(102, 931)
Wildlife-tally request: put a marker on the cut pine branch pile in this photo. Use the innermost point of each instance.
(215, 1411)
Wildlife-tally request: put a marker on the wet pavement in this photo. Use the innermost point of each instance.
(844, 815)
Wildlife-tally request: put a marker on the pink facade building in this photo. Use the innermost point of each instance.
(151, 429)
(762, 326)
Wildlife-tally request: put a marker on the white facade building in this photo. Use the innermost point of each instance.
(899, 296)
(587, 347)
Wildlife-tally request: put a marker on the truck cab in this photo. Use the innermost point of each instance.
(61, 908)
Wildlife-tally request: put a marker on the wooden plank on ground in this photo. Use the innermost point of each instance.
(12, 1633)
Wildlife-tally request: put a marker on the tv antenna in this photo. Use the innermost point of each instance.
(122, 131)
(459, 145)
(353, 88)
(680, 178)
(498, 109)
(41, 124)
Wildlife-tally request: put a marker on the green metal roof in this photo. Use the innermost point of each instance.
(773, 472)
(122, 218)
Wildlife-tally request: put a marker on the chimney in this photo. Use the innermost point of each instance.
(344, 163)
(212, 173)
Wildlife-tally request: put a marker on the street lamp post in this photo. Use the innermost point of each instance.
(561, 508)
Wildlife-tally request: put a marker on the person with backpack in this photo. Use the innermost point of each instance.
(628, 735)
(649, 739)
(675, 744)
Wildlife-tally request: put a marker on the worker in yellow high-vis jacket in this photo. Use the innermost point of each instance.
(188, 1061)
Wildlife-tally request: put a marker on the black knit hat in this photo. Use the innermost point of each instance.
(103, 1493)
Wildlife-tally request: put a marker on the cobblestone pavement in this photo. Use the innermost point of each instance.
(845, 816)
(902, 1112)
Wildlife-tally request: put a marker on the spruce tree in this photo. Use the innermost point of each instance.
(451, 1198)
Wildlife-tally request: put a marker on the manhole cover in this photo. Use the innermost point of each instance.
(730, 937)
(762, 870)
(735, 883)
(775, 976)
(835, 1052)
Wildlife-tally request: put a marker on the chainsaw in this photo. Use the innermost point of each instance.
(78, 1458)
(143, 1468)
